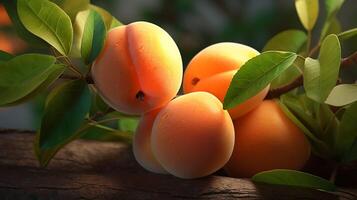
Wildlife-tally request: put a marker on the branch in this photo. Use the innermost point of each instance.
(88, 78)
(274, 93)
(87, 169)
(282, 90)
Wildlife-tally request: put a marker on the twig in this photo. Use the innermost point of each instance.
(88, 79)
(279, 91)
(350, 60)
(334, 173)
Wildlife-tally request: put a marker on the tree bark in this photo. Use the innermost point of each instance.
(105, 170)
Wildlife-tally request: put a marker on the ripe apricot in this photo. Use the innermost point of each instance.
(142, 143)
(267, 139)
(11, 44)
(6, 44)
(139, 68)
(4, 17)
(193, 136)
(213, 68)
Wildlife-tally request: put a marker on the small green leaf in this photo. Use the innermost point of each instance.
(347, 34)
(47, 21)
(289, 40)
(72, 7)
(320, 75)
(81, 18)
(108, 19)
(4, 56)
(93, 37)
(287, 102)
(115, 23)
(64, 114)
(22, 75)
(316, 120)
(308, 11)
(347, 133)
(56, 71)
(333, 6)
(256, 74)
(331, 24)
(128, 124)
(293, 178)
(342, 95)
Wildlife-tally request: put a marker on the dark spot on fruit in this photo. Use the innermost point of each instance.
(140, 95)
(195, 81)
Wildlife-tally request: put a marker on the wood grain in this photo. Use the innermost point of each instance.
(104, 170)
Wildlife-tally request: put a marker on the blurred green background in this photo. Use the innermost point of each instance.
(197, 24)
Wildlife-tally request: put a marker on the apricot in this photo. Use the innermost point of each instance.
(213, 68)
(139, 68)
(193, 136)
(4, 17)
(267, 139)
(142, 143)
(11, 44)
(6, 44)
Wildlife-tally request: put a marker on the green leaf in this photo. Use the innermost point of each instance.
(93, 37)
(4, 56)
(81, 18)
(331, 24)
(320, 75)
(256, 74)
(347, 134)
(293, 178)
(115, 23)
(289, 40)
(287, 102)
(342, 94)
(56, 71)
(347, 34)
(308, 11)
(317, 121)
(72, 7)
(98, 104)
(333, 6)
(63, 119)
(11, 8)
(64, 114)
(128, 124)
(108, 19)
(47, 21)
(22, 75)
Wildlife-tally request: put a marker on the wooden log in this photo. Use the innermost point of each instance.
(106, 170)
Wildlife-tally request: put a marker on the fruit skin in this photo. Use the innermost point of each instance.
(267, 139)
(193, 136)
(213, 68)
(4, 17)
(139, 68)
(11, 44)
(142, 143)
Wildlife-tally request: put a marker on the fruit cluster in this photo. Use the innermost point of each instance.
(140, 71)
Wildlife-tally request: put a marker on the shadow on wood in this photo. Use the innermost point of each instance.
(105, 170)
